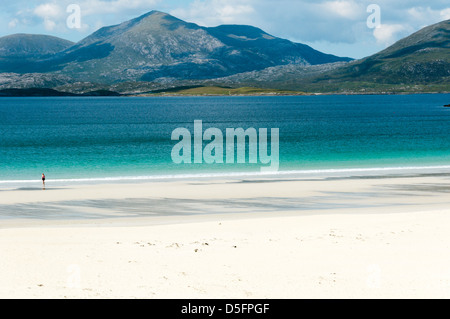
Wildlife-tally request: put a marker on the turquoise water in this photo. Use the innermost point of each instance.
(95, 138)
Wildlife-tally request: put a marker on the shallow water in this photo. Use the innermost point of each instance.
(109, 139)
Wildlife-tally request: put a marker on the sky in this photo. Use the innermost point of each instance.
(342, 27)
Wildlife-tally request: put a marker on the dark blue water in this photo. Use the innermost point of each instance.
(78, 138)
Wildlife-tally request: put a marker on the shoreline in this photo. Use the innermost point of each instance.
(270, 94)
(294, 173)
(178, 199)
(278, 94)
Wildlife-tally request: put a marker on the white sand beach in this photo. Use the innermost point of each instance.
(361, 237)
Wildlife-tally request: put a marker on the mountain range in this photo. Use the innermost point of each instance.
(157, 51)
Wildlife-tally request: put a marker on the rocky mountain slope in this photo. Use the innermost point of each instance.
(158, 45)
(158, 51)
(421, 59)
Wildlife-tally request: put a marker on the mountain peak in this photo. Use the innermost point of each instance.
(161, 20)
(150, 22)
(152, 15)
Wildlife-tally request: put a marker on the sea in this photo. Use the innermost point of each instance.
(112, 139)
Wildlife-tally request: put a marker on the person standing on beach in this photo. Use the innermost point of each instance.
(43, 180)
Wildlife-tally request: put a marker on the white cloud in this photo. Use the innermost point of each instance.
(13, 23)
(48, 10)
(214, 12)
(91, 7)
(427, 15)
(385, 34)
(345, 9)
(50, 13)
(49, 24)
(229, 12)
(445, 14)
(53, 15)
